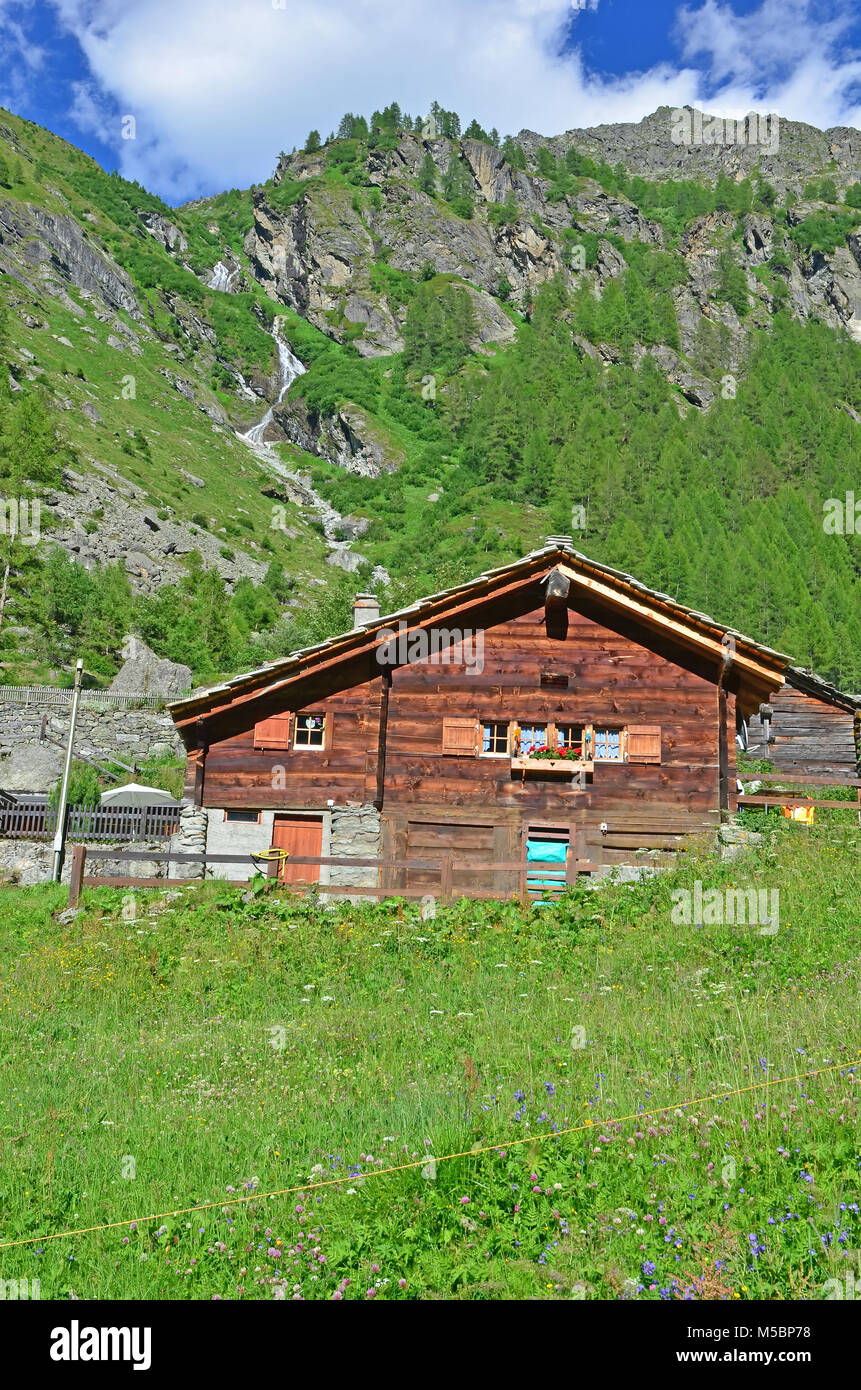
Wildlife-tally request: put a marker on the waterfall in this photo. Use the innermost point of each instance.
(304, 494)
(222, 278)
(290, 368)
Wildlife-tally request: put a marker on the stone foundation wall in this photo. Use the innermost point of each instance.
(355, 832)
(191, 840)
(27, 862)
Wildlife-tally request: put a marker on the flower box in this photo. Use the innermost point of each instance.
(538, 766)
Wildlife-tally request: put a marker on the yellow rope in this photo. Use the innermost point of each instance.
(421, 1162)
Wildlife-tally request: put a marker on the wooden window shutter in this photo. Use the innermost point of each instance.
(644, 743)
(460, 737)
(274, 732)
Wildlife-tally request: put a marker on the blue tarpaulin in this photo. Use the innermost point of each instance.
(553, 851)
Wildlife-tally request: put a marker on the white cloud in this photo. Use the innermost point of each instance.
(22, 59)
(218, 87)
(788, 54)
(92, 114)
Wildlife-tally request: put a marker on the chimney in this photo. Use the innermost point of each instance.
(559, 542)
(366, 609)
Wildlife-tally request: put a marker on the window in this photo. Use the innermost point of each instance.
(608, 745)
(494, 740)
(569, 738)
(532, 736)
(242, 817)
(310, 731)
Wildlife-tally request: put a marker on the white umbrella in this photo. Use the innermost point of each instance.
(133, 794)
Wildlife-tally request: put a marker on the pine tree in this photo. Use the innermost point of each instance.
(546, 163)
(732, 284)
(427, 174)
(313, 143)
(724, 193)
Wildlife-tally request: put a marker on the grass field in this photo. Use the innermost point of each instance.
(176, 1048)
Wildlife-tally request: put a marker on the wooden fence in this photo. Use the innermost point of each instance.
(521, 873)
(36, 820)
(765, 801)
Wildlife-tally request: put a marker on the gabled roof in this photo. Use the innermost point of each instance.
(608, 587)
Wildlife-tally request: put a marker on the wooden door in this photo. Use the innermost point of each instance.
(299, 835)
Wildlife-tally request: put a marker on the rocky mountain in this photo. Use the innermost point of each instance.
(278, 385)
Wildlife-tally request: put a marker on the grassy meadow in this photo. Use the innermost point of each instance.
(192, 1046)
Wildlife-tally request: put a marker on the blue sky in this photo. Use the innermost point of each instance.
(218, 87)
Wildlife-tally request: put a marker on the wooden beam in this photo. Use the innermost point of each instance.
(79, 859)
(199, 763)
(723, 751)
(556, 590)
(375, 758)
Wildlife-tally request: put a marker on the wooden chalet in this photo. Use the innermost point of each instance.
(413, 735)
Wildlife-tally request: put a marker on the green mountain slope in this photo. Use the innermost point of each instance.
(500, 341)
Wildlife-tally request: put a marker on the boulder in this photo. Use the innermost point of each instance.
(31, 768)
(146, 673)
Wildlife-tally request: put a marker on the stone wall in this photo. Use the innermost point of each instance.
(355, 832)
(132, 735)
(192, 840)
(26, 862)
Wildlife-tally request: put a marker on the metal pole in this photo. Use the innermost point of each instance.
(60, 837)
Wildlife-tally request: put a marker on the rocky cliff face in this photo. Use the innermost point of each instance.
(46, 250)
(663, 145)
(318, 256)
(346, 249)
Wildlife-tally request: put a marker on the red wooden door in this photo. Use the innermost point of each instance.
(301, 835)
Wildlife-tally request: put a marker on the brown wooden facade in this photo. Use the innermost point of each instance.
(649, 694)
(813, 729)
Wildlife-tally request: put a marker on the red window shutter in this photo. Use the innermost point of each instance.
(274, 732)
(644, 743)
(460, 737)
